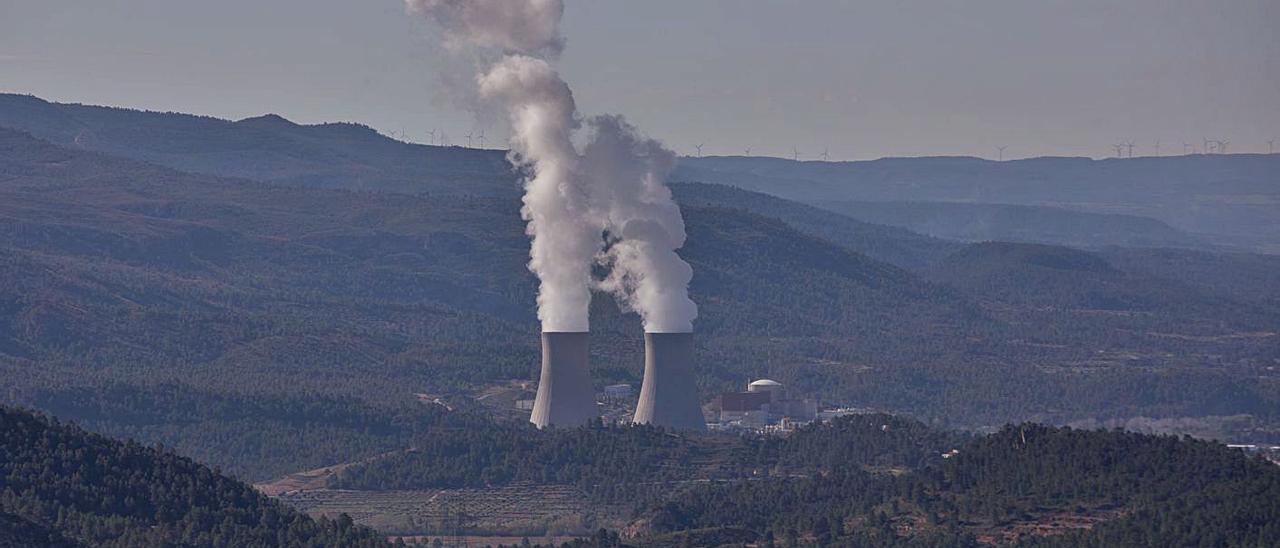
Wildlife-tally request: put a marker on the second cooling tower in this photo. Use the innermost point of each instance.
(565, 396)
(668, 396)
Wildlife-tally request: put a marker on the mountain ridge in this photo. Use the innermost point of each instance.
(1232, 204)
(1225, 199)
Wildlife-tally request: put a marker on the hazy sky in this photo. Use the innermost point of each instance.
(866, 79)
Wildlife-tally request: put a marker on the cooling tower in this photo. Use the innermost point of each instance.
(668, 396)
(565, 397)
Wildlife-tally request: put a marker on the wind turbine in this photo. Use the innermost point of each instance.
(1222, 146)
(1157, 148)
(1130, 145)
(747, 152)
(699, 147)
(468, 140)
(825, 156)
(1000, 153)
(481, 138)
(795, 154)
(1208, 146)
(1271, 146)
(432, 133)
(1119, 150)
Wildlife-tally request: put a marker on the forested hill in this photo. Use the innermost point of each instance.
(19, 532)
(618, 461)
(865, 480)
(1027, 484)
(978, 222)
(62, 486)
(893, 245)
(1036, 277)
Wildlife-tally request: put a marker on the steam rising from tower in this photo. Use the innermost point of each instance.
(615, 186)
(524, 35)
(606, 204)
(565, 236)
(644, 225)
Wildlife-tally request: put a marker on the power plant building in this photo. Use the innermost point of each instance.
(668, 394)
(618, 392)
(765, 402)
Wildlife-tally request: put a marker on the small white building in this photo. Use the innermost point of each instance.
(618, 392)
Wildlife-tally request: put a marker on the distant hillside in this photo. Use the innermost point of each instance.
(62, 486)
(1225, 199)
(1228, 200)
(270, 328)
(265, 148)
(1040, 279)
(349, 156)
(893, 245)
(1246, 277)
(988, 222)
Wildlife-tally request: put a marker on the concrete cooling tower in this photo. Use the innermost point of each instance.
(668, 396)
(565, 396)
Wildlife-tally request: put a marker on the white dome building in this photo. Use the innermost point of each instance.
(774, 388)
(763, 385)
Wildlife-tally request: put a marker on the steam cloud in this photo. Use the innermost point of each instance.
(607, 204)
(644, 225)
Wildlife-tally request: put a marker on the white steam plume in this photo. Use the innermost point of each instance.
(614, 186)
(627, 173)
(565, 235)
(531, 27)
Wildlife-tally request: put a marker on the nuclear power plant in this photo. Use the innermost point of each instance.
(565, 397)
(594, 194)
(668, 396)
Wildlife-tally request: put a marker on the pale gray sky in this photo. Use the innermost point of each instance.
(865, 79)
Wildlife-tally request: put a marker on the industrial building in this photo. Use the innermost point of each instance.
(616, 393)
(668, 394)
(765, 403)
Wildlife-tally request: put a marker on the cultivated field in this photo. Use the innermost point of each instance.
(511, 510)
